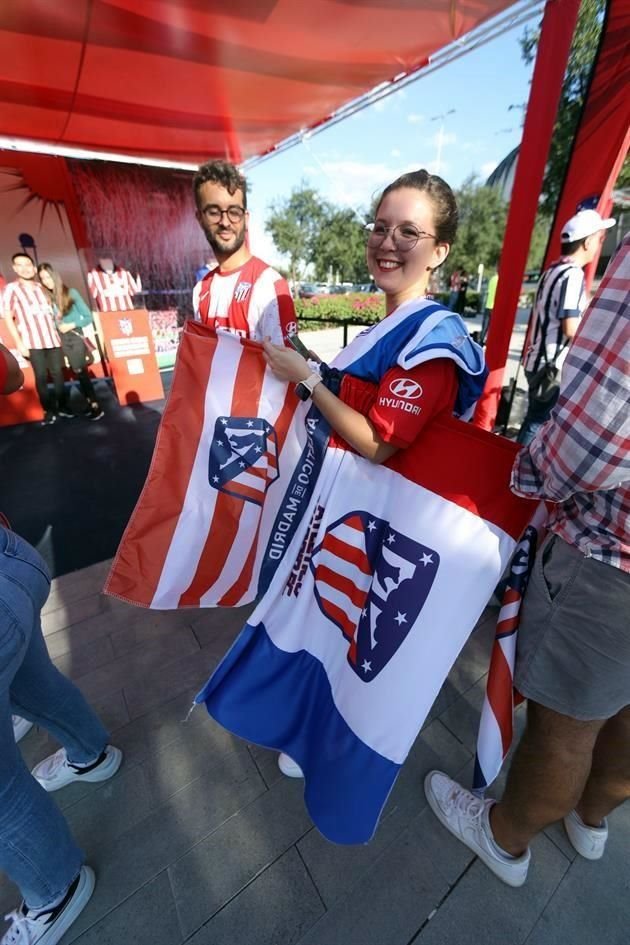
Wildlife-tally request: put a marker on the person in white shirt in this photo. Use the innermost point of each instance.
(559, 303)
(31, 322)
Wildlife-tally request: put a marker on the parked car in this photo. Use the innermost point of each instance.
(366, 287)
(309, 289)
(340, 289)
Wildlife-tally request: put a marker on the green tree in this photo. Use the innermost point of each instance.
(340, 247)
(294, 225)
(482, 216)
(538, 244)
(574, 89)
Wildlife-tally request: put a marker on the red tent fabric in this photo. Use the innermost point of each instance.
(553, 51)
(192, 79)
(603, 135)
(599, 149)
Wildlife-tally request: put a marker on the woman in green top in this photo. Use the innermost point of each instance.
(73, 315)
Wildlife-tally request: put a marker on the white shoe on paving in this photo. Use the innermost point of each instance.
(47, 926)
(466, 817)
(588, 841)
(289, 767)
(56, 771)
(21, 727)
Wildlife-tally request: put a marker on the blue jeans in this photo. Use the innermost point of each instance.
(36, 848)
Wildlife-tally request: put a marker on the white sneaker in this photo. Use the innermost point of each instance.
(21, 727)
(56, 771)
(588, 841)
(47, 926)
(289, 767)
(466, 816)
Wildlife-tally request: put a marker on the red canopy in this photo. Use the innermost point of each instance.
(191, 79)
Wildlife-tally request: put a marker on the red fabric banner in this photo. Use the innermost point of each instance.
(603, 136)
(553, 52)
(189, 81)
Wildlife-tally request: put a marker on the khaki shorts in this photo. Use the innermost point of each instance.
(573, 647)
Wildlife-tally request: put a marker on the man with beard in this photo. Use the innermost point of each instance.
(31, 322)
(242, 294)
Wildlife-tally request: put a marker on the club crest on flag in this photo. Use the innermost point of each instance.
(371, 581)
(126, 326)
(243, 457)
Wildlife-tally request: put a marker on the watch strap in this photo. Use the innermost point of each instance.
(306, 387)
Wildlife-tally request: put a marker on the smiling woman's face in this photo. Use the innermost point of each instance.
(401, 273)
(46, 279)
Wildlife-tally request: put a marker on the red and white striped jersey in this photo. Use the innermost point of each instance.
(113, 291)
(253, 301)
(31, 310)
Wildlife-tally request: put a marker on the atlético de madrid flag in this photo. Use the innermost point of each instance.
(369, 578)
(206, 529)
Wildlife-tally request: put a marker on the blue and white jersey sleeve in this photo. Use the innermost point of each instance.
(416, 332)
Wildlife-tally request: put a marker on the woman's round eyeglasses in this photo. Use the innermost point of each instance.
(404, 235)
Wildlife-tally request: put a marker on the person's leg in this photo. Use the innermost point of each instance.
(40, 370)
(36, 849)
(78, 358)
(608, 784)
(573, 664)
(546, 778)
(55, 366)
(86, 385)
(38, 691)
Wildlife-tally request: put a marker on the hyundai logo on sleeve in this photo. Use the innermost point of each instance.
(406, 388)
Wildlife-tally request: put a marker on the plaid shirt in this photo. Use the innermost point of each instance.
(580, 459)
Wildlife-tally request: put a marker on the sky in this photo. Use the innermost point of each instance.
(353, 160)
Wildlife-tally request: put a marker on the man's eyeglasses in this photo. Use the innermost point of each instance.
(215, 214)
(404, 236)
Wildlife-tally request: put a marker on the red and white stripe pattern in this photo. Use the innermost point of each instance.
(253, 301)
(343, 575)
(496, 727)
(32, 312)
(208, 546)
(113, 291)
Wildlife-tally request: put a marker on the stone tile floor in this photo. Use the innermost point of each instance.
(200, 839)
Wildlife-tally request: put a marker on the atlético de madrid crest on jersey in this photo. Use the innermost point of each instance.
(372, 582)
(243, 457)
(242, 291)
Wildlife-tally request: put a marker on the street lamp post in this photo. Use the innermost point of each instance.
(440, 142)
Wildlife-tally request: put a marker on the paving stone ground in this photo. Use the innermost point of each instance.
(199, 839)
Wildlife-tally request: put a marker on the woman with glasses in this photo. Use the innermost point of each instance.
(420, 356)
(419, 361)
(73, 315)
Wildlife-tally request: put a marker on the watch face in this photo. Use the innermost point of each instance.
(302, 391)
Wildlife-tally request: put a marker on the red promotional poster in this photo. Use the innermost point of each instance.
(131, 355)
(166, 336)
